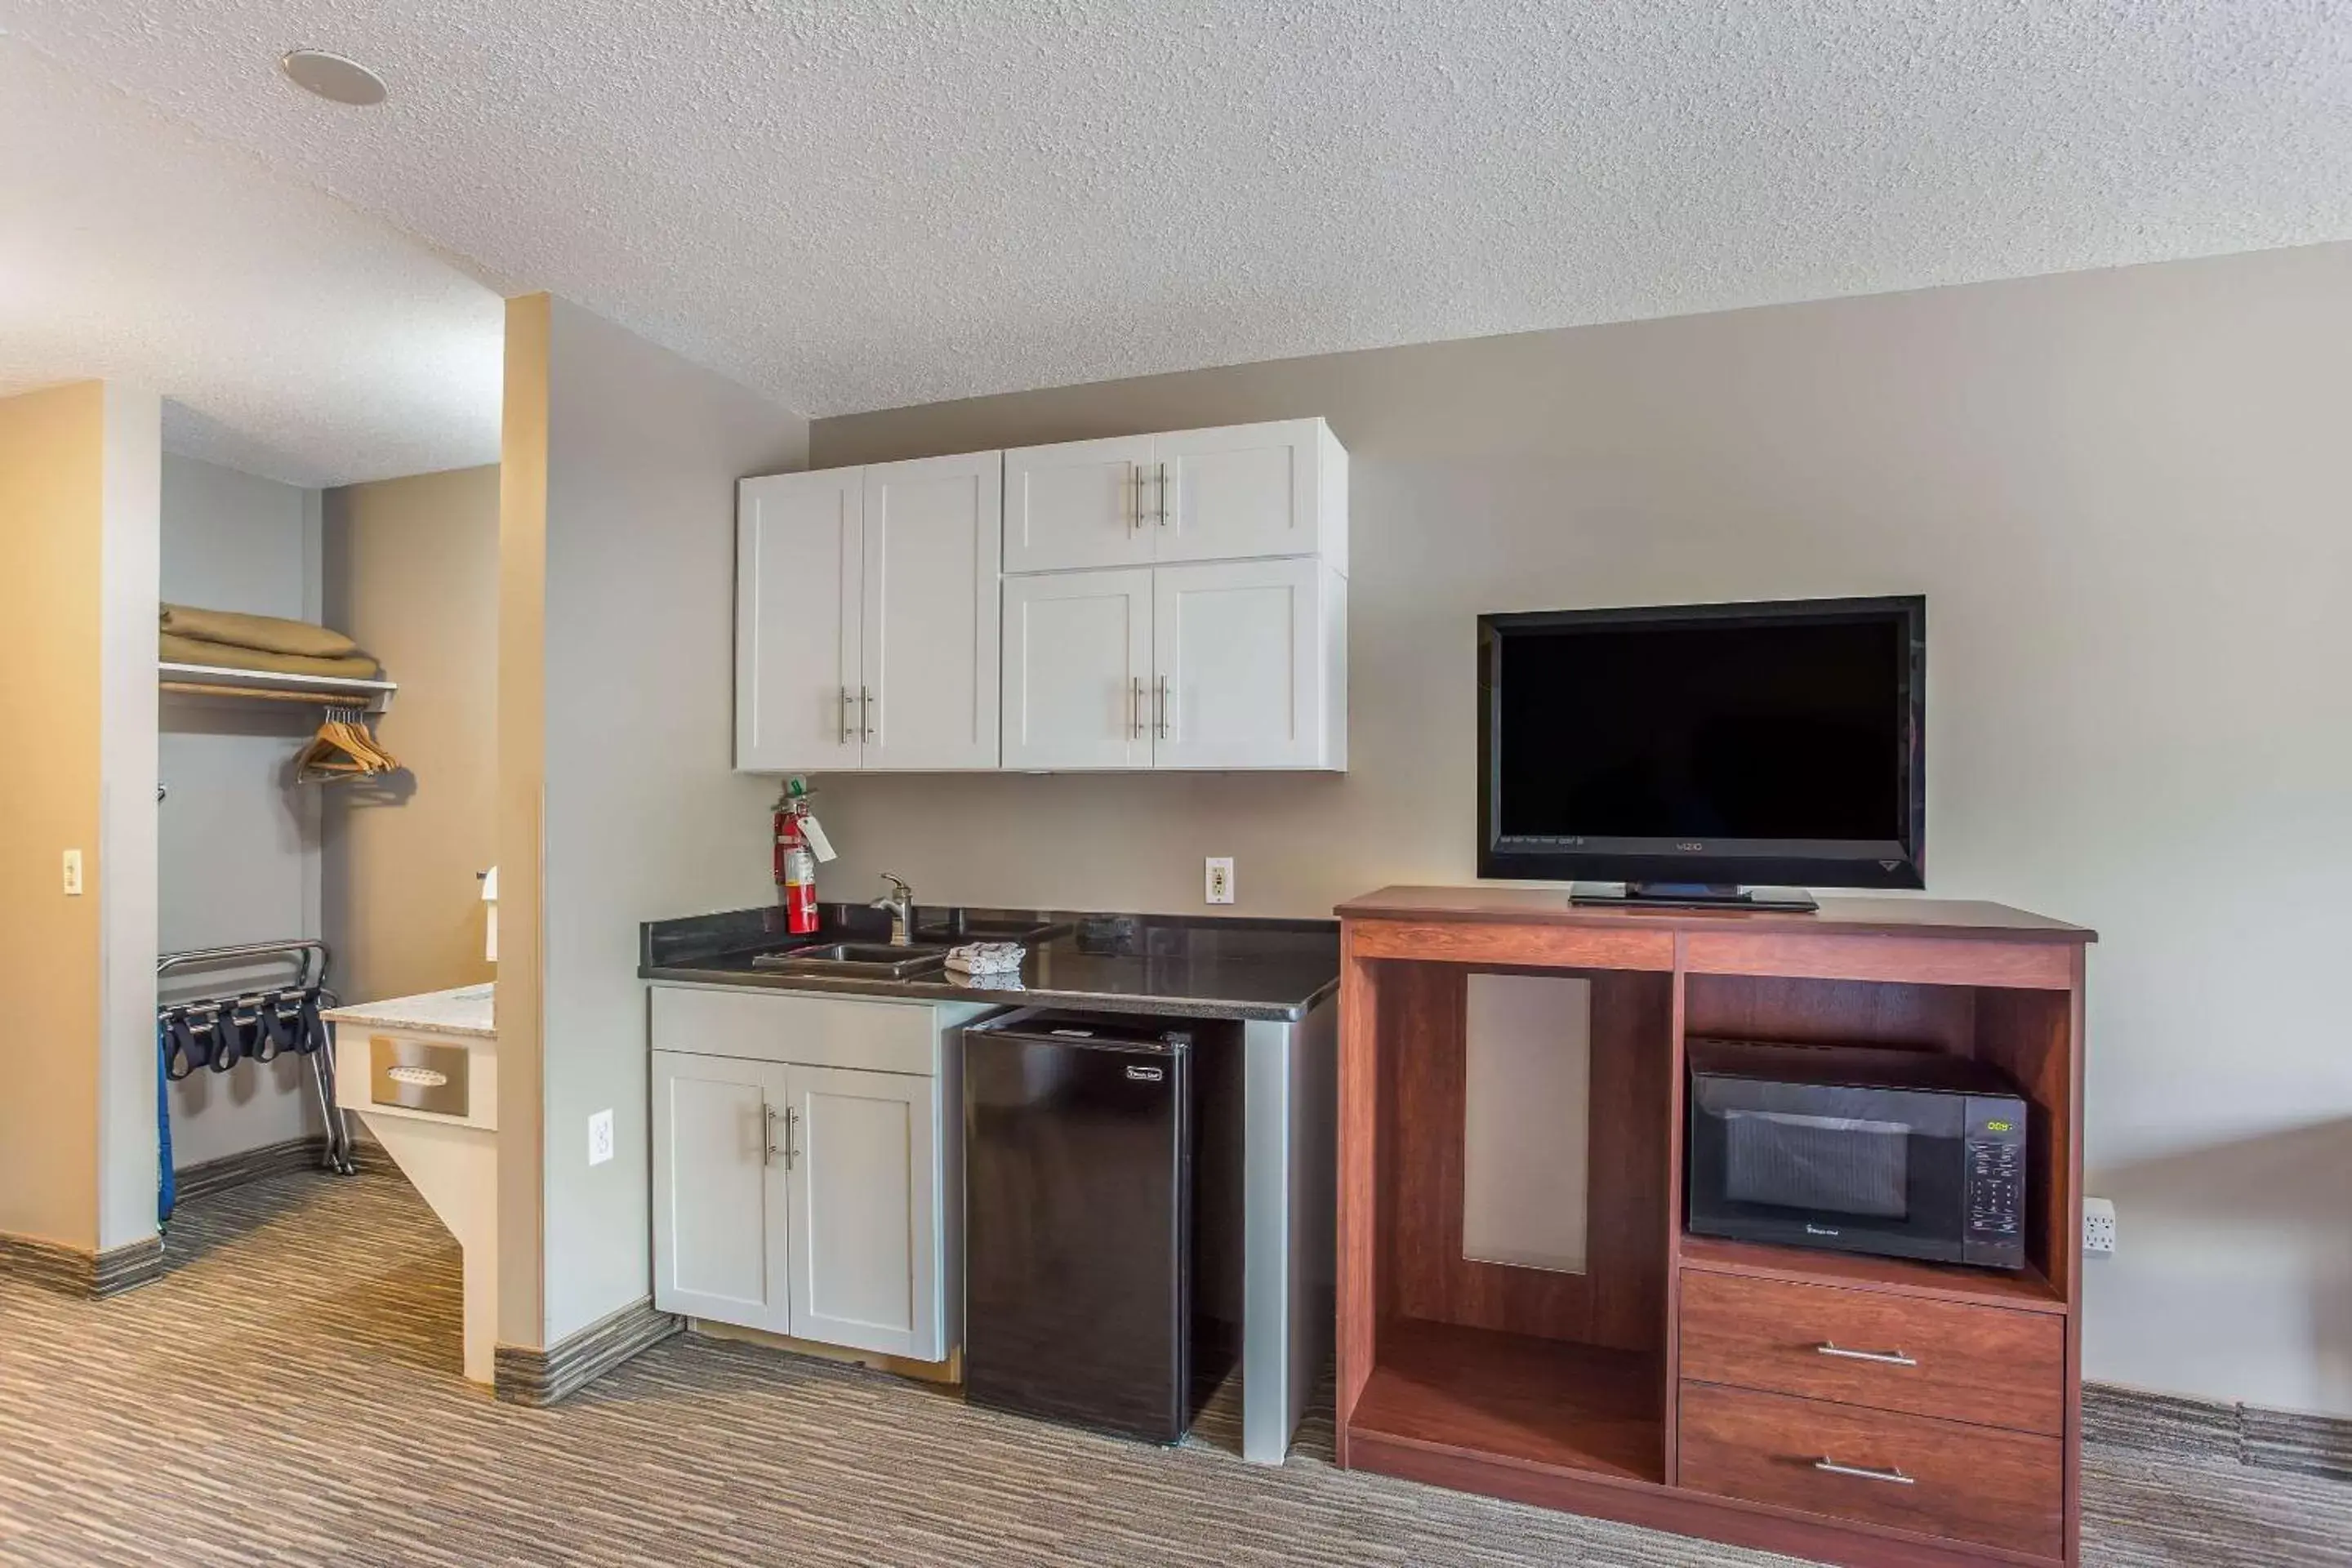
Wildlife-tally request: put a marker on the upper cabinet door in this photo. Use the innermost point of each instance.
(1078, 670)
(1078, 504)
(934, 540)
(1244, 491)
(720, 1197)
(866, 1227)
(1240, 650)
(798, 562)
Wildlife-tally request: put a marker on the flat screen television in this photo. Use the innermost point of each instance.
(1689, 750)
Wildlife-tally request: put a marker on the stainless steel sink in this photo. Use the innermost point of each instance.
(867, 960)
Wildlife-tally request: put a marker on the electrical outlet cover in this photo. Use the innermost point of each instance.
(1219, 888)
(2098, 1225)
(600, 1137)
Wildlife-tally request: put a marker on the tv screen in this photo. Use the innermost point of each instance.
(1716, 744)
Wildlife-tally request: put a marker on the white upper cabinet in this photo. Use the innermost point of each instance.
(934, 536)
(1176, 600)
(865, 620)
(1251, 491)
(799, 563)
(1078, 670)
(1241, 677)
(1078, 504)
(1237, 492)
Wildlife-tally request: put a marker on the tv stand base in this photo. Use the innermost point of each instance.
(1690, 896)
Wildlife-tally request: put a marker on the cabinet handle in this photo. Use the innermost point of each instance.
(1159, 727)
(844, 715)
(768, 1150)
(1136, 524)
(1135, 711)
(1891, 1475)
(864, 714)
(1162, 508)
(792, 1127)
(1884, 1358)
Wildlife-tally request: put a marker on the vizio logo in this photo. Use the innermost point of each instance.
(1690, 847)
(1146, 1075)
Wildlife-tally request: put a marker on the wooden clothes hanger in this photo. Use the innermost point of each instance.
(343, 749)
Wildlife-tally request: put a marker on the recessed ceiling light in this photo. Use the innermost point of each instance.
(333, 77)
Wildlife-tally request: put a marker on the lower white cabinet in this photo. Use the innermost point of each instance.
(813, 1197)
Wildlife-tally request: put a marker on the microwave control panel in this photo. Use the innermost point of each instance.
(1994, 1156)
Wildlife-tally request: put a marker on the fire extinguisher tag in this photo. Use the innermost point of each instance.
(819, 845)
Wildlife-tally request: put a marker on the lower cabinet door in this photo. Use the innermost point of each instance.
(865, 1228)
(721, 1220)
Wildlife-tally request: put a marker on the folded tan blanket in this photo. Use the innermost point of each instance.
(175, 650)
(269, 633)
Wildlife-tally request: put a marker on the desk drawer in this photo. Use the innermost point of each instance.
(1991, 1366)
(1908, 1472)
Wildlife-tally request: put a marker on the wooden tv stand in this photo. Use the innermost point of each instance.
(1678, 1382)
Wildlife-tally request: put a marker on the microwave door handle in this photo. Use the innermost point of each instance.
(1884, 1358)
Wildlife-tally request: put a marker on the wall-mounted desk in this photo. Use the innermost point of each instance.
(1674, 1382)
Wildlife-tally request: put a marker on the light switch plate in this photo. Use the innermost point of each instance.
(73, 873)
(600, 1137)
(1219, 888)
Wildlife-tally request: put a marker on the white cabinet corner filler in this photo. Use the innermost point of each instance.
(1173, 600)
(806, 1170)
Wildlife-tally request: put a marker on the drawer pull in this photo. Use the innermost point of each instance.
(1891, 1475)
(1884, 1358)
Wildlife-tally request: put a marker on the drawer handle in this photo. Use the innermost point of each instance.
(1891, 1475)
(422, 1078)
(1884, 1358)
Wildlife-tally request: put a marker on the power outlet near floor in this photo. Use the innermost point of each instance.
(600, 1137)
(2098, 1225)
(1219, 888)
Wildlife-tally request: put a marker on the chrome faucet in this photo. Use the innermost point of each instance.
(900, 901)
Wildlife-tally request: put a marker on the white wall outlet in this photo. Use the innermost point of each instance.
(73, 873)
(1220, 879)
(2098, 1225)
(600, 1137)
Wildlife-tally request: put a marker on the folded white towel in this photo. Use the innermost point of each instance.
(987, 958)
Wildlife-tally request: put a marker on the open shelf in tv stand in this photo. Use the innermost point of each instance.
(1565, 1390)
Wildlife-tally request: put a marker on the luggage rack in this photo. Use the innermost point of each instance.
(200, 1026)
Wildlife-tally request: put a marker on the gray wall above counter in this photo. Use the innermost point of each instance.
(2115, 489)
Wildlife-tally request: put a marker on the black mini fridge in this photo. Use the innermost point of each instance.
(1102, 1232)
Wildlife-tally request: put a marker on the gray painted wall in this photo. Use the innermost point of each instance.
(238, 843)
(2124, 495)
(643, 815)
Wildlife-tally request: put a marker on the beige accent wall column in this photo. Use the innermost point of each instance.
(80, 470)
(522, 784)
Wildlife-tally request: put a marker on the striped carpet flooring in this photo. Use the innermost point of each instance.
(289, 1393)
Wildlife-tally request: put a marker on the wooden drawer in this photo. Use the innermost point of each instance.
(1978, 1484)
(1991, 1366)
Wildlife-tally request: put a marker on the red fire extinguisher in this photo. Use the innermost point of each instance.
(795, 861)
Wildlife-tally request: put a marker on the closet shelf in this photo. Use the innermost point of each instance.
(326, 690)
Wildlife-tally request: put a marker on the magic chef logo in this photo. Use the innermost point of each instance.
(1144, 1075)
(1818, 1230)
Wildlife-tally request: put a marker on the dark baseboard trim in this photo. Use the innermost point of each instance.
(252, 1166)
(2216, 1430)
(70, 1271)
(542, 1377)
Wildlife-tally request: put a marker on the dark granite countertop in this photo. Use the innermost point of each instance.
(1270, 970)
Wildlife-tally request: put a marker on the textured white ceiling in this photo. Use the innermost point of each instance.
(294, 338)
(869, 203)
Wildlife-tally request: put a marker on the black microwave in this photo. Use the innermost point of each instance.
(1906, 1154)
